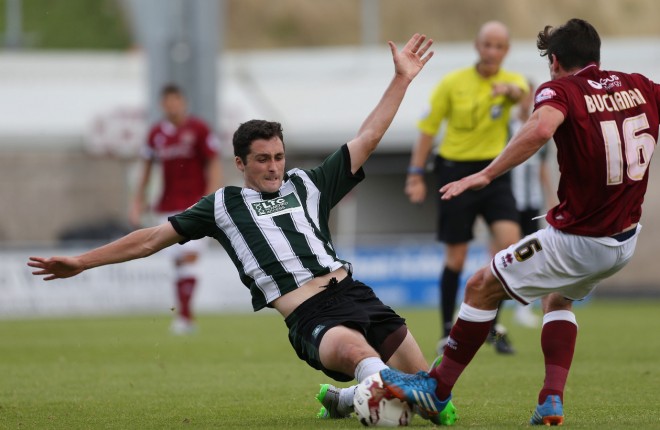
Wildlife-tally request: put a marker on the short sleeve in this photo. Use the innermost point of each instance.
(211, 145)
(520, 81)
(208, 144)
(147, 151)
(197, 221)
(333, 177)
(437, 109)
(551, 94)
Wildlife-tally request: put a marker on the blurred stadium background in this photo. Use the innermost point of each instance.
(78, 83)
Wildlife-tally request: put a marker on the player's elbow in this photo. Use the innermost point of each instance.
(369, 141)
(146, 250)
(545, 122)
(147, 242)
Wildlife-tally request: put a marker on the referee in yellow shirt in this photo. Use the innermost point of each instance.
(475, 102)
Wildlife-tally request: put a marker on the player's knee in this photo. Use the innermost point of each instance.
(506, 233)
(342, 348)
(455, 257)
(474, 288)
(351, 353)
(189, 258)
(476, 283)
(556, 302)
(483, 289)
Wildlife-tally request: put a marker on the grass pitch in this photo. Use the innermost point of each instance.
(240, 372)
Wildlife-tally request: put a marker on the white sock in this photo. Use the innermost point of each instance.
(468, 313)
(345, 404)
(559, 316)
(368, 367)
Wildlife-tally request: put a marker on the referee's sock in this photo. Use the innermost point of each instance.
(465, 339)
(448, 290)
(558, 338)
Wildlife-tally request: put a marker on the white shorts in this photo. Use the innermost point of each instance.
(550, 261)
(178, 251)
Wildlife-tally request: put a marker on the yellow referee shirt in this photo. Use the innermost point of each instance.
(476, 121)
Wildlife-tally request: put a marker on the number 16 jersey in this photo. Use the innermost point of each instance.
(604, 148)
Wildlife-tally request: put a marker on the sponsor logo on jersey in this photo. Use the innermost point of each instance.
(611, 82)
(277, 206)
(545, 94)
(187, 138)
(171, 152)
(605, 83)
(594, 84)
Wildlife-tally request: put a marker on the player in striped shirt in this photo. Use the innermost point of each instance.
(275, 229)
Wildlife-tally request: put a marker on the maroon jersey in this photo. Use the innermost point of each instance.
(183, 152)
(604, 148)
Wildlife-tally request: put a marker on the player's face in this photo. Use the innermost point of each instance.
(264, 167)
(174, 107)
(492, 46)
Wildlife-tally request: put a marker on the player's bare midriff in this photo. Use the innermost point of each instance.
(290, 301)
(630, 227)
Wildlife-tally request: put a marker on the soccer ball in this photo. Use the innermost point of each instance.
(376, 407)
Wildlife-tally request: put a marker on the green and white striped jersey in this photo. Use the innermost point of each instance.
(277, 241)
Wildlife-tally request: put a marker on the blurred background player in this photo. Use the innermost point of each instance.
(475, 102)
(533, 191)
(187, 150)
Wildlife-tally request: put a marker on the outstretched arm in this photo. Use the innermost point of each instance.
(532, 136)
(407, 64)
(138, 244)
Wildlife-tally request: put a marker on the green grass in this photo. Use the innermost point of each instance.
(240, 372)
(72, 24)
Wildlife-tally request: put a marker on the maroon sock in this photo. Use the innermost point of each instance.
(558, 344)
(184, 293)
(465, 339)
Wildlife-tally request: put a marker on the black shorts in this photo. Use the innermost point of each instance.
(349, 303)
(456, 217)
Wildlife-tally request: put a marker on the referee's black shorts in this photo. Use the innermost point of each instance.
(349, 303)
(456, 217)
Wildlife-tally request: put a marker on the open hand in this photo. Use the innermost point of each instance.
(456, 188)
(55, 267)
(412, 58)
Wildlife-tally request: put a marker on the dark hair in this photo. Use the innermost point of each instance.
(170, 89)
(252, 130)
(575, 44)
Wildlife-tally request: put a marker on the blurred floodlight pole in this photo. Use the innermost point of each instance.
(181, 40)
(370, 17)
(14, 24)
